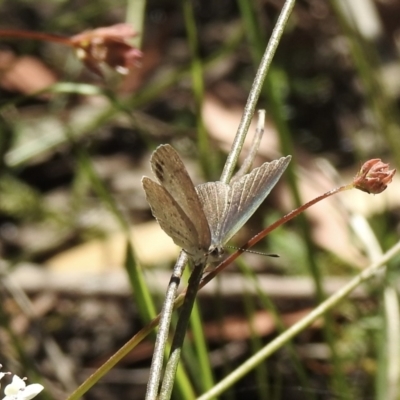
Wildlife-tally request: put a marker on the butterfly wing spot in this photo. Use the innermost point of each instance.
(159, 170)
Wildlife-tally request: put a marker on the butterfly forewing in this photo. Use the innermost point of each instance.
(169, 215)
(247, 194)
(172, 175)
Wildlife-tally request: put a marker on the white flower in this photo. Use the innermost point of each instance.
(17, 390)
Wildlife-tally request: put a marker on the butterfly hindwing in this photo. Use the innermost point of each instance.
(247, 194)
(214, 199)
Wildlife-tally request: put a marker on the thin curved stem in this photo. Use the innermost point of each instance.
(35, 35)
(255, 91)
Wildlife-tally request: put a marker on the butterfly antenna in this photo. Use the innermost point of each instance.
(253, 252)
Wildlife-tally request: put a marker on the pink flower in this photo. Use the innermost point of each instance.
(374, 176)
(109, 46)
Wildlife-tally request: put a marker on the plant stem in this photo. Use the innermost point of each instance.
(36, 36)
(248, 161)
(255, 91)
(135, 15)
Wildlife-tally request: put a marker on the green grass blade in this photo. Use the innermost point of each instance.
(141, 293)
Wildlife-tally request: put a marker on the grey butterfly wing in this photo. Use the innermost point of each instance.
(170, 216)
(172, 175)
(247, 194)
(214, 199)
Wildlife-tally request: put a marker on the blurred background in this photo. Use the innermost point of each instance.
(74, 146)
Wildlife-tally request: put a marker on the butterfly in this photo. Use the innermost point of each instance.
(202, 219)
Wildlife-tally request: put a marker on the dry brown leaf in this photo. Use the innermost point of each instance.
(24, 74)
